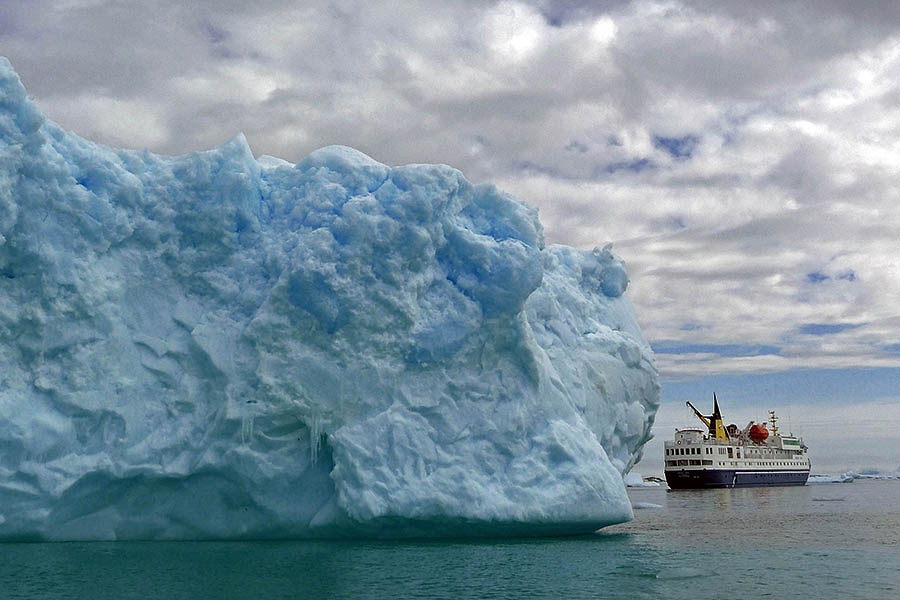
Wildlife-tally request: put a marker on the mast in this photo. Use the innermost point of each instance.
(717, 420)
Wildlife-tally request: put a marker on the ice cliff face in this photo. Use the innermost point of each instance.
(211, 346)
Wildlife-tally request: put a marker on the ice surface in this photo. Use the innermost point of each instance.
(635, 479)
(851, 476)
(873, 474)
(214, 346)
(844, 478)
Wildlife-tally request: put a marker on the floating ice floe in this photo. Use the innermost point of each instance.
(875, 474)
(852, 475)
(634, 479)
(844, 478)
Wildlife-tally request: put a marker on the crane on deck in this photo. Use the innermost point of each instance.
(713, 422)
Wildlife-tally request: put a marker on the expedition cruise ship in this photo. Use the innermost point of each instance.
(731, 457)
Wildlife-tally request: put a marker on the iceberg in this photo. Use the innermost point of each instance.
(214, 346)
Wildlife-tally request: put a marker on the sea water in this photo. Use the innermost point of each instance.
(822, 541)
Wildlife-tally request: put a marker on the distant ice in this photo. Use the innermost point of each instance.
(215, 346)
(850, 476)
(844, 478)
(634, 479)
(641, 505)
(875, 474)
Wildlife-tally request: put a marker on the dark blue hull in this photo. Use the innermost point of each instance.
(725, 478)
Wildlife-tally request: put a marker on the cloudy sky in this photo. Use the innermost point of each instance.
(743, 158)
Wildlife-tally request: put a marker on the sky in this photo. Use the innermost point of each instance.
(742, 157)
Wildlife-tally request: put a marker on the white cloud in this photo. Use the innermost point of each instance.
(743, 157)
(119, 122)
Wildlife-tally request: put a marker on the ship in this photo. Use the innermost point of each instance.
(727, 457)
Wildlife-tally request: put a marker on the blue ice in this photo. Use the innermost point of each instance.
(218, 346)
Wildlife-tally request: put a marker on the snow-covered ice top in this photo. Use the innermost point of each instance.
(214, 346)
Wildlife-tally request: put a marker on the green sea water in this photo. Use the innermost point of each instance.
(822, 541)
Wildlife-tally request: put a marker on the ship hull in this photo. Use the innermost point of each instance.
(729, 478)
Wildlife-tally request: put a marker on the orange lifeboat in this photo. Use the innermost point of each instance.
(758, 433)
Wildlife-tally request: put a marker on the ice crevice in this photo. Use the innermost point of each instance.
(214, 346)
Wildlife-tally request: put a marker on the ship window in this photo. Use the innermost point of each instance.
(707, 462)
